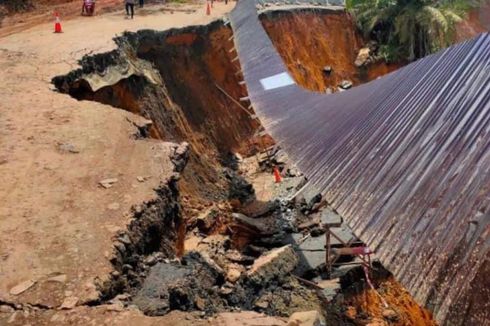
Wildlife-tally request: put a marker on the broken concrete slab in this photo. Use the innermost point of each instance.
(254, 224)
(153, 297)
(309, 260)
(175, 285)
(310, 243)
(258, 208)
(275, 264)
(328, 216)
(344, 233)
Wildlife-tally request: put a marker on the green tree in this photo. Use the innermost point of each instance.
(409, 29)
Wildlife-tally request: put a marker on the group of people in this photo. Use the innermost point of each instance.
(88, 7)
(130, 7)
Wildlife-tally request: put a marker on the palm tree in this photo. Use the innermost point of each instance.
(408, 29)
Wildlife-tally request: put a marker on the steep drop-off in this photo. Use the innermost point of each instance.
(174, 78)
(183, 99)
(309, 40)
(186, 82)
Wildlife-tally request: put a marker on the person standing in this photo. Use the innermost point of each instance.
(130, 8)
(142, 3)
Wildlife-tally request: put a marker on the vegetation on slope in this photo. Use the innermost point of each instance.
(409, 29)
(16, 5)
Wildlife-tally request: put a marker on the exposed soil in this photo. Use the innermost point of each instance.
(196, 61)
(361, 305)
(477, 21)
(332, 42)
(177, 244)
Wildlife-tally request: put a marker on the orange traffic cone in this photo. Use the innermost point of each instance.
(208, 8)
(57, 23)
(277, 175)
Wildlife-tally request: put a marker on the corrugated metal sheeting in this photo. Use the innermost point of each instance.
(405, 159)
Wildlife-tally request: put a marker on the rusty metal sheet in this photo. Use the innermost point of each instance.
(405, 159)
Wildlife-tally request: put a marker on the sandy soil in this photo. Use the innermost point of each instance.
(55, 219)
(112, 315)
(44, 12)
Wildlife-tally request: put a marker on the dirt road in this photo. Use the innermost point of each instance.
(57, 223)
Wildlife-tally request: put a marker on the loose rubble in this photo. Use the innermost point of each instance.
(266, 256)
(345, 84)
(180, 156)
(108, 183)
(248, 265)
(21, 287)
(367, 55)
(276, 263)
(362, 57)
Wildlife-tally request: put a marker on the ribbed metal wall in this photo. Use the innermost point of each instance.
(405, 159)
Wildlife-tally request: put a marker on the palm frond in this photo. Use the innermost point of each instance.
(436, 17)
(410, 28)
